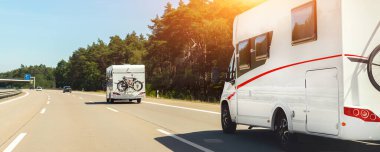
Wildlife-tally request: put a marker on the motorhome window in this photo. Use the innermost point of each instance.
(244, 55)
(262, 47)
(304, 23)
(232, 68)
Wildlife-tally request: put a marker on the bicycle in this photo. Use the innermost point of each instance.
(374, 68)
(129, 83)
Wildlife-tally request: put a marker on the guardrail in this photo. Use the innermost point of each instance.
(8, 93)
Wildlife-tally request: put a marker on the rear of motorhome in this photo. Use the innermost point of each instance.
(125, 82)
(306, 66)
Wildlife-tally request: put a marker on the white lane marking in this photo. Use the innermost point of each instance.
(192, 109)
(15, 142)
(185, 141)
(27, 93)
(367, 143)
(43, 111)
(80, 98)
(114, 110)
(48, 102)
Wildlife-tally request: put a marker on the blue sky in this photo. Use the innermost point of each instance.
(46, 31)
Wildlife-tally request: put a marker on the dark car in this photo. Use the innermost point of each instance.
(66, 89)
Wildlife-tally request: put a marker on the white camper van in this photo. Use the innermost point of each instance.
(125, 82)
(306, 66)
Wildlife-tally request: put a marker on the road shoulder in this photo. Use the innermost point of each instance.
(213, 107)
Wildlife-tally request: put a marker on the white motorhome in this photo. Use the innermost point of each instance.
(125, 82)
(306, 66)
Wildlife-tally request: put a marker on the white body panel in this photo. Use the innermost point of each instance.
(312, 82)
(322, 92)
(116, 73)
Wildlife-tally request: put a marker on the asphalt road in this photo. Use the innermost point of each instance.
(50, 121)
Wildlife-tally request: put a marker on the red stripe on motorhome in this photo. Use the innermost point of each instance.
(229, 97)
(283, 67)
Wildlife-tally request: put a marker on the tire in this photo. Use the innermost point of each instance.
(374, 68)
(121, 86)
(228, 126)
(285, 138)
(137, 86)
(110, 100)
(138, 101)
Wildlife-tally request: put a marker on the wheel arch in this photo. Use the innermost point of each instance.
(226, 103)
(288, 113)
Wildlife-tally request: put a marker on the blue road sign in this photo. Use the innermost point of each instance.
(27, 77)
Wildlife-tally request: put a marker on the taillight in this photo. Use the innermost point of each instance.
(363, 114)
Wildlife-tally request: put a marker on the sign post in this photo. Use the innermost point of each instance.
(28, 77)
(34, 82)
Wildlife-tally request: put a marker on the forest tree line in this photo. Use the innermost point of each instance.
(186, 54)
(44, 76)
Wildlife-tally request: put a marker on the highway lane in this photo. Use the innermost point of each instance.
(18, 111)
(85, 122)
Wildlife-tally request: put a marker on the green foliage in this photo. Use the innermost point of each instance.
(190, 48)
(186, 55)
(44, 76)
(86, 67)
(60, 74)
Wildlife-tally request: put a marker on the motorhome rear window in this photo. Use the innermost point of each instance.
(304, 23)
(244, 55)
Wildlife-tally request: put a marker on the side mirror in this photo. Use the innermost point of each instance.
(232, 81)
(233, 77)
(228, 74)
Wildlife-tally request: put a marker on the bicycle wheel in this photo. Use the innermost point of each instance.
(137, 86)
(374, 68)
(121, 86)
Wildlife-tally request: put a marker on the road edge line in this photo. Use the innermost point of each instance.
(166, 105)
(185, 108)
(11, 100)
